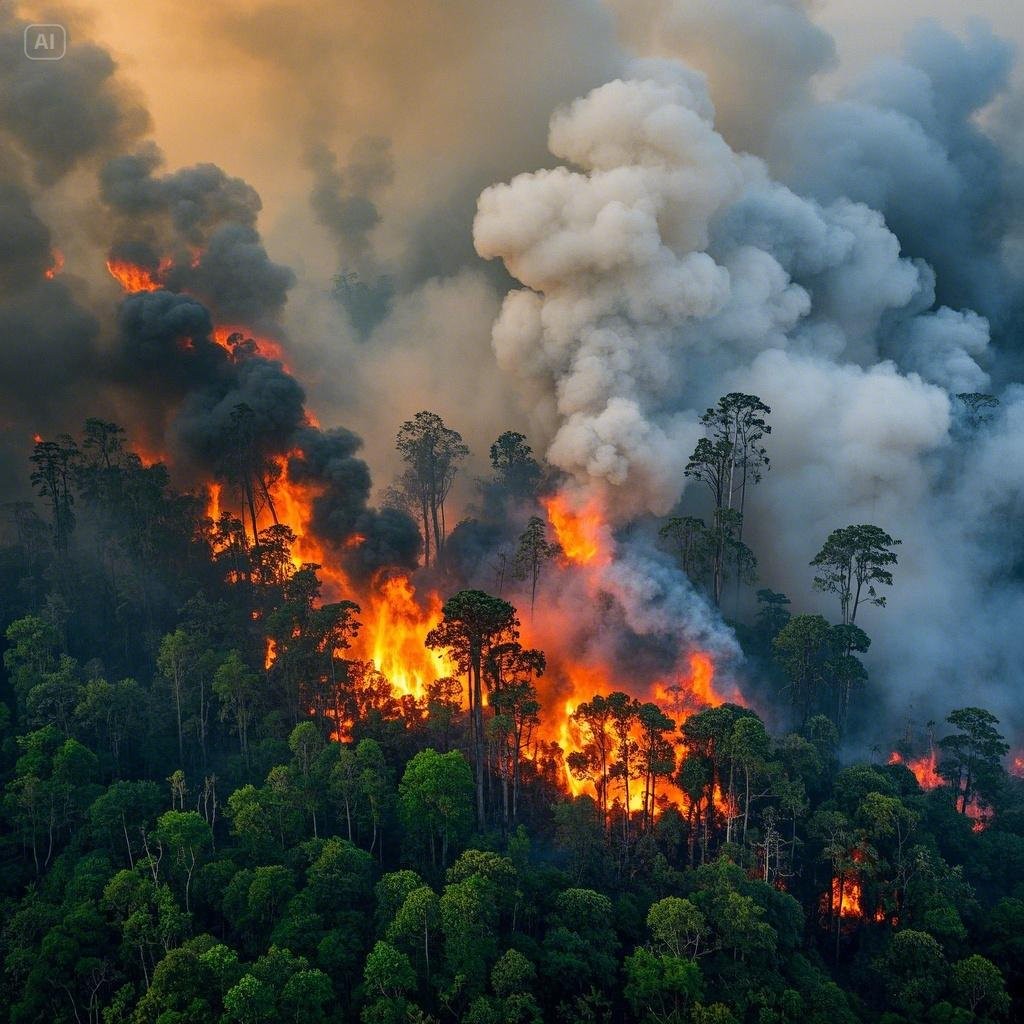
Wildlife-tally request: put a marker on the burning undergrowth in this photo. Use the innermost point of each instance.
(610, 615)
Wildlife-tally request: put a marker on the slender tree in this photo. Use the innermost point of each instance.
(432, 453)
(726, 460)
(54, 463)
(473, 622)
(852, 563)
(533, 552)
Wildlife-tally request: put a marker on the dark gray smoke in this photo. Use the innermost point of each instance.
(343, 198)
(908, 140)
(327, 461)
(274, 400)
(237, 279)
(206, 220)
(344, 201)
(57, 117)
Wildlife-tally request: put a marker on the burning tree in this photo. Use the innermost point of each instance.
(473, 624)
(592, 762)
(972, 757)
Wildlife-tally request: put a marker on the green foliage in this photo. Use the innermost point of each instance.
(852, 564)
(435, 802)
(193, 832)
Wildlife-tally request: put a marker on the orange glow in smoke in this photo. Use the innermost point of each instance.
(581, 531)
(229, 338)
(56, 266)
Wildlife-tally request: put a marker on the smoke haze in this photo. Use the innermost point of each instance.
(582, 221)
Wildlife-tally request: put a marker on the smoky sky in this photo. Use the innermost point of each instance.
(584, 222)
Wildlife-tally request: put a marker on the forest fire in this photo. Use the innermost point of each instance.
(584, 732)
(845, 899)
(394, 627)
(926, 772)
(263, 493)
(847, 895)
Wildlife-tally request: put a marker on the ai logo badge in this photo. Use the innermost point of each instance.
(45, 42)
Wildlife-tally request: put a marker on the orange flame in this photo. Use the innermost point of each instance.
(925, 768)
(847, 895)
(581, 531)
(271, 654)
(395, 627)
(979, 814)
(133, 278)
(693, 691)
(926, 772)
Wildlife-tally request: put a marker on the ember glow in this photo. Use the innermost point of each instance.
(57, 266)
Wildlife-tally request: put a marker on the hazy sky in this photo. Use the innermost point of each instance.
(865, 28)
(208, 99)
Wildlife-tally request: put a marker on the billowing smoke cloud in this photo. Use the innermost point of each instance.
(759, 55)
(55, 118)
(670, 255)
(58, 118)
(206, 220)
(906, 140)
(667, 269)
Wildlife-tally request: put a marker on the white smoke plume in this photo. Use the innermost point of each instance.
(662, 268)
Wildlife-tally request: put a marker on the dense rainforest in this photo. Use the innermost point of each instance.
(215, 810)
